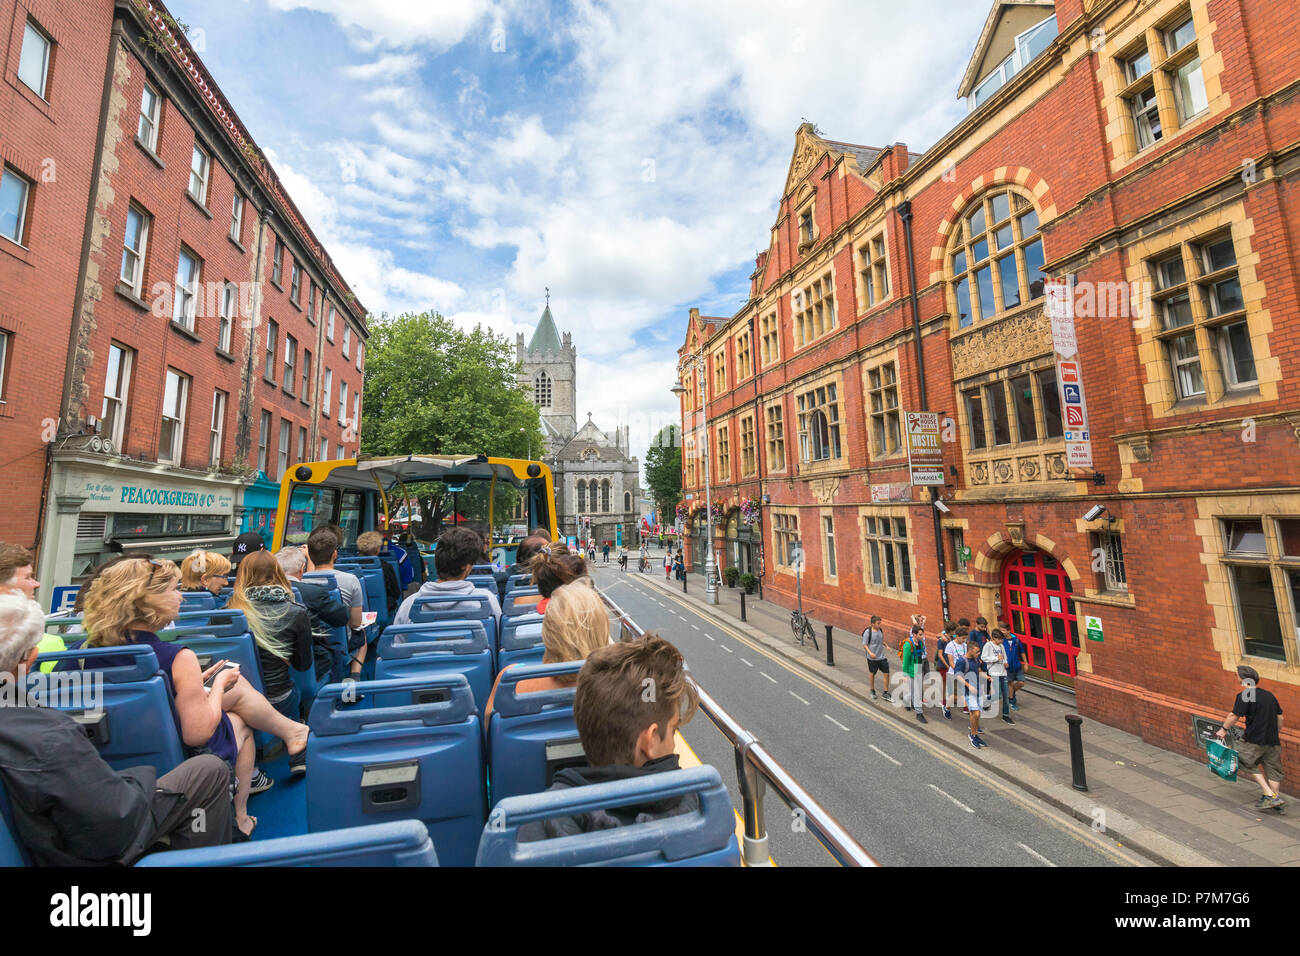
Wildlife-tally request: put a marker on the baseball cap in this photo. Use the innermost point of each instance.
(246, 544)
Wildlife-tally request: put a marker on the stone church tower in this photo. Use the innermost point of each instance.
(596, 479)
(549, 372)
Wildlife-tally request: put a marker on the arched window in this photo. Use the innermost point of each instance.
(604, 496)
(821, 436)
(627, 501)
(542, 390)
(996, 257)
(582, 496)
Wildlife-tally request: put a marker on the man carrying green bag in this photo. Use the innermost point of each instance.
(1223, 759)
(1261, 750)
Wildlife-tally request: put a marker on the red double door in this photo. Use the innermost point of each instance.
(1038, 601)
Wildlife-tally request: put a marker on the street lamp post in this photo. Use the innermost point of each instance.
(710, 568)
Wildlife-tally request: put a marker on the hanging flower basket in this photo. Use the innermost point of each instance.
(749, 510)
(682, 512)
(718, 511)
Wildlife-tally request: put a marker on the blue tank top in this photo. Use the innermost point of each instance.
(222, 742)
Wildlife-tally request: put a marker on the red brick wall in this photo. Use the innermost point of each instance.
(51, 143)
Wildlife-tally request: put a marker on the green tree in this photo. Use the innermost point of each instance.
(663, 471)
(432, 388)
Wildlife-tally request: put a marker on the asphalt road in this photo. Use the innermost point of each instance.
(908, 800)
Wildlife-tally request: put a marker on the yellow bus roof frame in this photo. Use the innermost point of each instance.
(371, 468)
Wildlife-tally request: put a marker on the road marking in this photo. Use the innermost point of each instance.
(896, 763)
(695, 626)
(682, 617)
(709, 636)
(953, 799)
(726, 648)
(746, 663)
(1036, 855)
(924, 742)
(797, 697)
(837, 723)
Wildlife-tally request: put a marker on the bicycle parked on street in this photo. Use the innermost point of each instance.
(802, 628)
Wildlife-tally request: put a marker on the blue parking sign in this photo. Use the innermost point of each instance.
(64, 597)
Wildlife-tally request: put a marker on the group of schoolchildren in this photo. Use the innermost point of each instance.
(976, 668)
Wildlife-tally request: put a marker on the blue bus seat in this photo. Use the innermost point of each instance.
(446, 647)
(376, 597)
(413, 762)
(531, 735)
(482, 569)
(400, 843)
(485, 581)
(520, 601)
(447, 607)
(134, 722)
(517, 581)
(198, 601)
(703, 838)
(338, 635)
(12, 851)
(521, 641)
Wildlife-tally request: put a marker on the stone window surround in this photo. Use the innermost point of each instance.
(879, 511)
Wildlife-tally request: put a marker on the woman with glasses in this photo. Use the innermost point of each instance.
(129, 603)
(205, 571)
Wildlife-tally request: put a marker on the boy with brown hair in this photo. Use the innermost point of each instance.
(631, 698)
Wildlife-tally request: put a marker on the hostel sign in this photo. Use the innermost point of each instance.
(1059, 304)
(924, 449)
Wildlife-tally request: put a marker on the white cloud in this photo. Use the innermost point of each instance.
(387, 67)
(398, 23)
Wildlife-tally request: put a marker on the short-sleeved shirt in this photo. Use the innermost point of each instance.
(873, 639)
(350, 589)
(955, 651)
(1261, 717)
(969, 670)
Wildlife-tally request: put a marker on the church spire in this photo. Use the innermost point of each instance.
(546, 338)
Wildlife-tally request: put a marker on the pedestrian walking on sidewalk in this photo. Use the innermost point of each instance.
(873, 642)
(913, 654)
(942, 664)
(606, 552)
(967, 669)
(1017, 657)
(979, 633)
(994, 658)
(955, 650)
(668, 564)
(1260, 754)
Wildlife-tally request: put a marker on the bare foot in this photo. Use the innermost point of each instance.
(246, 825)
(298, 742)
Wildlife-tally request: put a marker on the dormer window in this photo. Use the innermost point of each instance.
(1027, 47)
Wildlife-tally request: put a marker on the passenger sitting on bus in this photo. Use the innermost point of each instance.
(625, 732)
(369, 545)
(281, 628)
(523, 554)
(459, 549)
(552, 568)
(70, 808)
(17, 577)
(322, 551)
(250, 542)
(205, 571)
(576, 624)
(127, 604)
(326, 611)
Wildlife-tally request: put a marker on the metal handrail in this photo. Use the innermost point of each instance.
(756, 768)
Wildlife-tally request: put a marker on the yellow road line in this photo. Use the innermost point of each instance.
(940, 753)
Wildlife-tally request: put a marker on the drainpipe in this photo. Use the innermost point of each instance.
(904, 211)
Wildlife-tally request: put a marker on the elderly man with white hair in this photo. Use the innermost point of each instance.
(326, 611)
(70, 808)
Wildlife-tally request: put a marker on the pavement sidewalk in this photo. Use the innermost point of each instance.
(1174, 810)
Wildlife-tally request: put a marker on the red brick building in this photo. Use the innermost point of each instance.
(1146, 153)
(171, 324)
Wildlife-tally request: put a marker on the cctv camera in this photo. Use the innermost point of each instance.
(1095, 512)
(938, 503)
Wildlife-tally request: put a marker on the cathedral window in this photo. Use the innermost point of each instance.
(542, 390)
(582, 496)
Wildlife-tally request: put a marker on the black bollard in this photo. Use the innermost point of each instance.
(830, 651)
(683, 583)
(742, 605)
(1076, 751)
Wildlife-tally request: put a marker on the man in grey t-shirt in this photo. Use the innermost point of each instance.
(873, 642)
(322, 551)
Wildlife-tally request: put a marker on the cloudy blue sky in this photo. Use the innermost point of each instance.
(462, 155)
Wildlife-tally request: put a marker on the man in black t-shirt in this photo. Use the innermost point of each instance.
(1260, 754)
